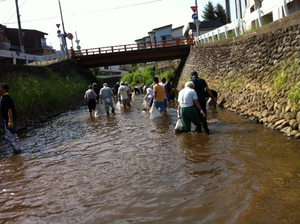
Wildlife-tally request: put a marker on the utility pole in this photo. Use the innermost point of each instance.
(228, 15)
(238, 7)
(20, 30)
(64, 34)
(197, 22)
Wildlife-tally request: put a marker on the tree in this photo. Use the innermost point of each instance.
(220, 13)
(209, 12)
(213, 13)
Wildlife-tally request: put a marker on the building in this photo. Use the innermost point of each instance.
(177, 33)
(116, 70)
(269, 10)
(34, 41)
(4, 40)
(190, 29)
(159, 35)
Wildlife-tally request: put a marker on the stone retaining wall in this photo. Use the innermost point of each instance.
(257, 75)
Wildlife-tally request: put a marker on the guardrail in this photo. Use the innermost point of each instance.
(30, 59)
(132, 47)
(239, 26)
(39, 60)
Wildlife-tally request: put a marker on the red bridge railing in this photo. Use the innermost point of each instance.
(132, 47)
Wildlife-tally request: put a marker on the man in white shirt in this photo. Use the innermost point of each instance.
(187, 111)
(106, 94)
(149, 96)
(123, 95)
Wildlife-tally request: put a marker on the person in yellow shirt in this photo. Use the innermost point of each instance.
(158, 98)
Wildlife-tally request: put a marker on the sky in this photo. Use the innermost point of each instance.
(100, 23)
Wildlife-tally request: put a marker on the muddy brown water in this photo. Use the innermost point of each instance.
(127, 168)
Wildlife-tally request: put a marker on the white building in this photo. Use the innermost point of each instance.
(268, 11)
(116, 70)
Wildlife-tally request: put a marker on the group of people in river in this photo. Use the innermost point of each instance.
(192, 99)
(96, 95)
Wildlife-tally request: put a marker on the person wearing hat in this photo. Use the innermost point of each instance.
(201, 88)
(90, 98)
(106, 94)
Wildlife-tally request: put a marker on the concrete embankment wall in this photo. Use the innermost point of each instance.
(256, 75)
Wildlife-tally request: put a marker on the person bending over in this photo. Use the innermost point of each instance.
(187, 108)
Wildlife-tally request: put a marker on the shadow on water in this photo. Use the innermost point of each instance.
(128, 168)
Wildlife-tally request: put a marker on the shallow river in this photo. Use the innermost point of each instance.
(127, 168)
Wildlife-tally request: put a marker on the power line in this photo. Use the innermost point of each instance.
(123, 7)
(14, 14)
(90, 12)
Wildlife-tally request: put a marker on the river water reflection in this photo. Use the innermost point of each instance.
(127, 168)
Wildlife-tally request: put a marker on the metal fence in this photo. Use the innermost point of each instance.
(35, 60)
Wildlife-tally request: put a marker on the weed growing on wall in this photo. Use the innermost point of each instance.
(294, 95)
(286, 81)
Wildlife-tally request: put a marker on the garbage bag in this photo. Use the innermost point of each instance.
(179, 126)
(154, 112)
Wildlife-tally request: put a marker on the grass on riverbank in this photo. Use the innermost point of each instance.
(45, 91)
(287, 79)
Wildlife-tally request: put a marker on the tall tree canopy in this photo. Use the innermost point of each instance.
(220, 13)
(209, 12)
(212, 13)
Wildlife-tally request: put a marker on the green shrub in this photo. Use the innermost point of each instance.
(32, 92)
(146, 76)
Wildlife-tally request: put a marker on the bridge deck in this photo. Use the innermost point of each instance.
(132, 53)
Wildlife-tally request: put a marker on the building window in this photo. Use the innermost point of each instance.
(43, 42)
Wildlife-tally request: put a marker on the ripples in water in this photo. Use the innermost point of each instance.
(127, 168)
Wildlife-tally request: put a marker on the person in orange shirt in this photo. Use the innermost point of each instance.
(158, 98)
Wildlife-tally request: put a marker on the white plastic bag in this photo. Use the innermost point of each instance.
(178, 126)
(118, 106)
(154, 112)
(144, 104)
(98, 110)
(13, 141)
(133, 96)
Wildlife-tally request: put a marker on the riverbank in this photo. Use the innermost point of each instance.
(256, 75)
(40, 93)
